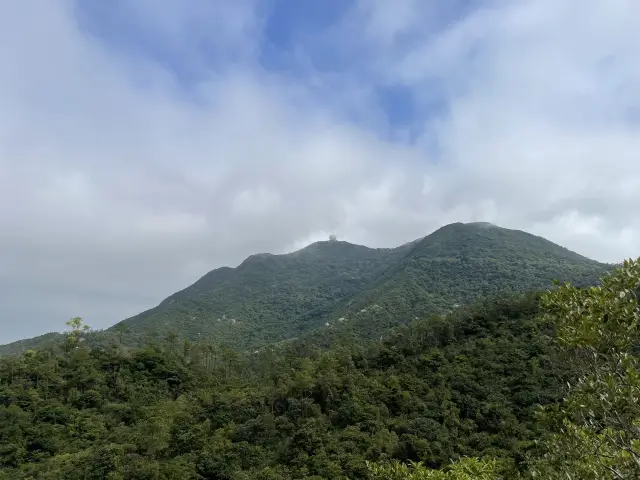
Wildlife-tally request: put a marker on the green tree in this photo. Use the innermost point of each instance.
(599, 420)
(76, 333)
(122, 332)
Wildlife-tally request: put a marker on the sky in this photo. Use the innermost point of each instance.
(144, 143)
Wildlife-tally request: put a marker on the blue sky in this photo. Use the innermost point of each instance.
(144, 143)
(321, 45)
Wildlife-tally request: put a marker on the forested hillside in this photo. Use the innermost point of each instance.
(268, 298)
(488, 387)
(458, 264)
(467, 385)
(359, 290)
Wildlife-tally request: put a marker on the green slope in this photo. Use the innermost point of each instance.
(458, 264)
(41, 341)
(268, 298)
(271, 298)
(464, 385)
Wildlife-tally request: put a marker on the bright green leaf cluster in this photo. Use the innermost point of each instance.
(464, 469)
(599, 435)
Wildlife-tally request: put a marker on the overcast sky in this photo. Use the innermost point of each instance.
(145, 142)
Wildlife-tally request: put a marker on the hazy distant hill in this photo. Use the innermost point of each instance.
(269, 298)
(41, 341)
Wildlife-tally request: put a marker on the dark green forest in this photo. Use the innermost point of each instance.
(451, 357)
(539, 385)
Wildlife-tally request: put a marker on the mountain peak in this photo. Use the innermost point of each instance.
(482, 224)
(270, 298)
(331, 247)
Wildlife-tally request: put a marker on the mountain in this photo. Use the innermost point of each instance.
(270, 298)
(41, 341)
(459, 264)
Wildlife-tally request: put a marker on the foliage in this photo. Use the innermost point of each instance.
(461, 263)
(515, 386)
(433, 392)
(465, 469)
(599, 435)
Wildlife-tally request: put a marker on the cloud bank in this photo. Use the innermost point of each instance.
(143, 145)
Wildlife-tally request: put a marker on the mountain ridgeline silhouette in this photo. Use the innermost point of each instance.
(337, 285)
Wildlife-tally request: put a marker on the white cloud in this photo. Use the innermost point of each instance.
(119, 186)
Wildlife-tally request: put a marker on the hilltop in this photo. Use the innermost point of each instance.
(460, 264)
(271, 298)
(268, 298)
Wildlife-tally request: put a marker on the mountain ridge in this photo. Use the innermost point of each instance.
(269, 298)
(447, 258)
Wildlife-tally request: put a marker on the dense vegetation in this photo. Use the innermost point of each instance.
(438, 389)
(459, 264)
(465, 388)
(271, 298)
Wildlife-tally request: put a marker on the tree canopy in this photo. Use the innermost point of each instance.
(516, 386)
